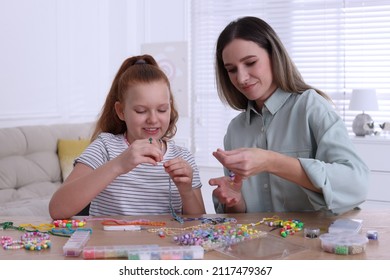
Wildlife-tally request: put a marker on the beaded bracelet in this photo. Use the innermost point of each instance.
(11, 245)
(37, 246)
(69, 223)
(5, 240)
(34, 236)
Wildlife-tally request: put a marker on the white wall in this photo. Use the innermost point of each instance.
(58, 58)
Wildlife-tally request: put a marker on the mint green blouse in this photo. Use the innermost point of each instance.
(304, 126)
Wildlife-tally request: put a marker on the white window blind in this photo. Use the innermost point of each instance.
(336, 45)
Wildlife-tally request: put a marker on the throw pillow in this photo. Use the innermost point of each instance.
(68, 151)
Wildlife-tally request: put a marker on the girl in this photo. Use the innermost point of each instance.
(132, 167)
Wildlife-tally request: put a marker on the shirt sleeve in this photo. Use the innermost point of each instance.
(336, 169)
(95, 154)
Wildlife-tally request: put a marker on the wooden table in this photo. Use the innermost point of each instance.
(272, 246)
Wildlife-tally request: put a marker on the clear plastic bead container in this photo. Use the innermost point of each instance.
(195, 252)
(343, 244)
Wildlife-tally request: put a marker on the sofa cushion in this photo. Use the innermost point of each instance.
(29, 165)
(68, 151)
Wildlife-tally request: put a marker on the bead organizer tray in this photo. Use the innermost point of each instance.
(345, 225)
(76, 243)
(168, 253)
(143, 252)
(112, 252)
(343, 244)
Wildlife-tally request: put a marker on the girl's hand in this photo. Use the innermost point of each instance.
(140, 151)
(181, 173)
(228, 191)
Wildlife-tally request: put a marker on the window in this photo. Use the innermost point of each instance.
(336, 45)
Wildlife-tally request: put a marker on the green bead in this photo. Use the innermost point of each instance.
(341, 250)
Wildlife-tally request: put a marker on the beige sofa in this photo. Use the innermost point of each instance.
(30, 170)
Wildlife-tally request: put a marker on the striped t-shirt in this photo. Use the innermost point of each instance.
(142, 191)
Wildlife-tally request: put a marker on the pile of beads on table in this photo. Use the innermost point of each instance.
(218, 236)
(288, 227)
(69, 223)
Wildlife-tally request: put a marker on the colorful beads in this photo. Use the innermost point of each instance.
(231, 177)
(341, 250)
(311, 233)
(69, 223)
(34, 236)
(372, 235)
(9, 244)
(36, 245)
(32, 241)
(218, 236)
(13, 245)
(5, 240)
(288, 227)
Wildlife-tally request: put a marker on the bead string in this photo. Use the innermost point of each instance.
(34, 236)
(173, 231)
(213, 221)
(174, 215)
(69, 223)
(9, 244)
(206, 222)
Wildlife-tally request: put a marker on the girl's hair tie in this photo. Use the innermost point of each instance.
(140, 61)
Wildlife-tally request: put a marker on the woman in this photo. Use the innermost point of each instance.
(288, 150)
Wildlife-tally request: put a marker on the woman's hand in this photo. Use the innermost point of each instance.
(244, 162)
(181, 173)
(228, 191)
